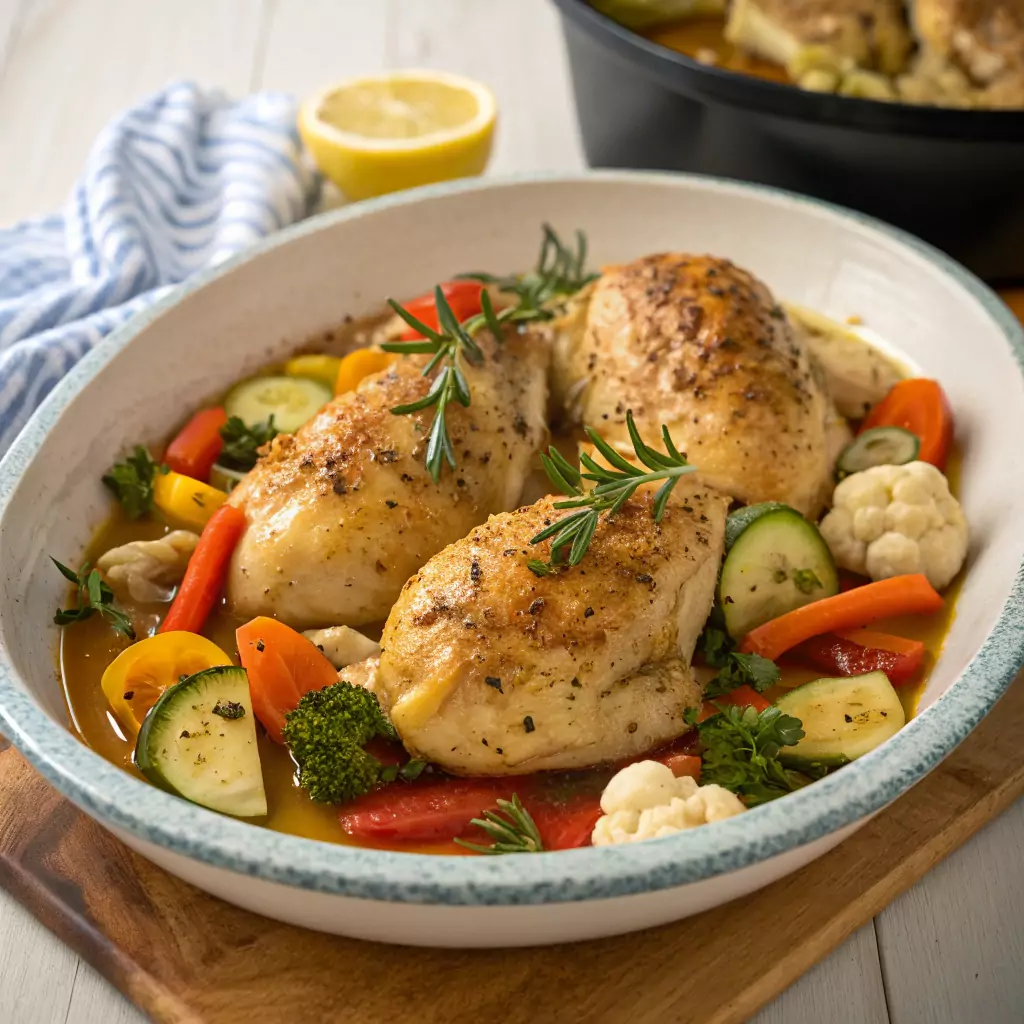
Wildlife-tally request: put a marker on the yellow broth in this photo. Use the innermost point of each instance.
(88, 647)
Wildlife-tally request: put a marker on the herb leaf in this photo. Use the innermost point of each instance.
(513, 831)
(571, 535)
(93, 595)
(559, 272)
(132, 481)
(242, 442)
(741, 749)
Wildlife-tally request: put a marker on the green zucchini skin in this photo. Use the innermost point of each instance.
(292, 401)
(186, 748)
(879, 446)
(776, 561)
(843, 718)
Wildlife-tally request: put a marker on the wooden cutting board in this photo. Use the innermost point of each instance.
(186, 958)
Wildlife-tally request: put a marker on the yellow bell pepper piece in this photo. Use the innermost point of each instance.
(190, 502)
(359, 364)
(135, 679)
(321, 368)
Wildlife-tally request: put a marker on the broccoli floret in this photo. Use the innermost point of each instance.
(326, 734)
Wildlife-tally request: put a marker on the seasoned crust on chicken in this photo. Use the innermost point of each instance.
(341, 514)
(488, 669)
(795, 33)
(697, 344)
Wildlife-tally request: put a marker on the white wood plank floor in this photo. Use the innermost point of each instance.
(949, 951)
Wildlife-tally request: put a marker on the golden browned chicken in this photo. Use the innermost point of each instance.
(697, 344)
(981, 39)
(487, 669)
(807, 35)
(341, 514)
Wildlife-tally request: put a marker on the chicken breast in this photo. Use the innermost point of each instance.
(488, 669)
(341, 514)
(802, 35)
(984, 39)
(699, 345)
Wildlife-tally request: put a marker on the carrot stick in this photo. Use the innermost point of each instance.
(194, 451)
(206, 570)
(900, 595)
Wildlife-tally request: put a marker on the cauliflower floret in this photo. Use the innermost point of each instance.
(891, 520)
(148, 570)
(646, 801)
(342, 645)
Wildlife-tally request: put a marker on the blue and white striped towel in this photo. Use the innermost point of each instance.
(179, 182)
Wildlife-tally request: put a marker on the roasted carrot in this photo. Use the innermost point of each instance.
(206, 570)
(900, 595)
(195, 448)
(282, 666)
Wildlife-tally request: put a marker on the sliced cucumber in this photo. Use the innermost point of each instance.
(879, 446)
(224, 478)
(205, 755)
(776, 561)
(843, 718)
(292, 401)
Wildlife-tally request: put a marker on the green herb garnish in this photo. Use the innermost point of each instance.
(514, 831)
(132, 481)
(559, 272)
(242, 443)
(229, 709)
(93, 595)
(571, 535)
(734, 669)
(741, 751)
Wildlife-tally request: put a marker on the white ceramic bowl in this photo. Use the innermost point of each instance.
(134, 386)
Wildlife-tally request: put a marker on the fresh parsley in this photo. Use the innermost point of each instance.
(734, 669)
(242, 443)
(132, 481)
(92, 595)
(741, 751)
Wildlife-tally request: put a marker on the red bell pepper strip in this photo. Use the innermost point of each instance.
(204, 577)
(920, 406)
(197, 445)
(859, 652)
(742, 697)
(462, 296)
(901, 595)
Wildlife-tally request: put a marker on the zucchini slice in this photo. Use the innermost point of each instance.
(879, 446)
(776, 561)
(843, 718)
(199, 742)
(224, 478)
(292, 401)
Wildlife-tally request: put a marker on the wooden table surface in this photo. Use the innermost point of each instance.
(950, 950)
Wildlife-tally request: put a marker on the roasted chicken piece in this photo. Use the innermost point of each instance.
(696, 344)
(983, 39)
(341, 514)
(488, 669)
(810, 35)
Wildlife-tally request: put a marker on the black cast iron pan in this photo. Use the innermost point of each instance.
(954, 177)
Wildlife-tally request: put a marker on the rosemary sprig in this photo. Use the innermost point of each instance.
(513, 832)
(559, 271)
(93, 595)
(446, 347)
(571, 535)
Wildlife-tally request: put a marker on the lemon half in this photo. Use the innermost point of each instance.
(398, 130)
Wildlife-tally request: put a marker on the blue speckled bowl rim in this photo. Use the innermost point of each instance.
(109, 795)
